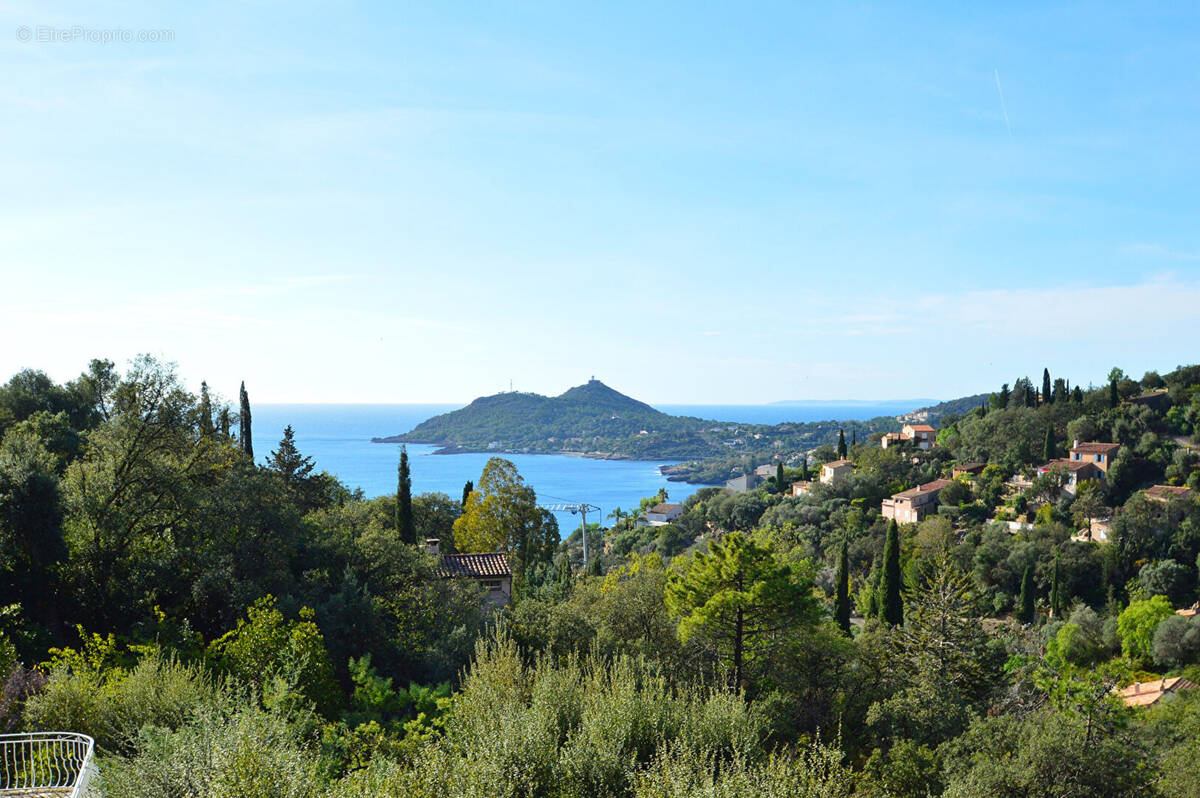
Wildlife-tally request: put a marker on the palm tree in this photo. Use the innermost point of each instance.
(662, 495)
(617, 515)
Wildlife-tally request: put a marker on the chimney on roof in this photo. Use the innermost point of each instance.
(433, 546)
(1075, 445)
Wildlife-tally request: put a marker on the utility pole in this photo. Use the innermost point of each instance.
(582, 508)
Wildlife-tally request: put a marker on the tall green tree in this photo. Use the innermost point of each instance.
(744, 600)
(405, 526)
(1077, 395)
(1048, 446)
(205, 409)
(780, 483)
(841, 601)
(467, 488)
(841, 444)
(1025, 607)
(1047, 395)
(244, 433)
(1056, 590)
(502, 514)
(891, 602)
(804, 475)
(1114, 376)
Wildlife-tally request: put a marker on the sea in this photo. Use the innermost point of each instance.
(338, 438)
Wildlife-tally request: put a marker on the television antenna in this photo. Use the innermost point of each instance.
(580, 508)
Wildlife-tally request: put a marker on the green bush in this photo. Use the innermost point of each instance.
(112, 704)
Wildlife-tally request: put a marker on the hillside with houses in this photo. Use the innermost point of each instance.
(956, 608)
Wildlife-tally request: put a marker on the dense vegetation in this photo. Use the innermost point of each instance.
(596, 420)
(230, 628)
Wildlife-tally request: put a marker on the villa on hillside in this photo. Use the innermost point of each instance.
(744, 483)
(1164, 493)
(833, 471)
(1074, 472)
(766, 470)
(801, 488)
(968, 469)
(489, 569)
(1091, 452)
(660, 514)
(910, 506)
(1145, 694)
(922, 436)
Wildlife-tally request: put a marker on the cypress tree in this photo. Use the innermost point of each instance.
(891, 605)
(206, 419)
(841, 603)
(1002, 400)
(841, 446)
(875, 581)
(804, 467)
(244, 421)
(467, 488)
(594, 568)
(779, 483)
(1056, 597)
(853, 437)
(224, 421)
(1025, 607)
(404, 514)
(1047, 395)
(1114, 398)
(1077, 395)
(1048, 447)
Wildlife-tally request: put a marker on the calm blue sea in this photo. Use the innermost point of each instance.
(338, 438)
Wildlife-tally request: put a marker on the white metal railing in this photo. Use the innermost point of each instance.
(49, 763)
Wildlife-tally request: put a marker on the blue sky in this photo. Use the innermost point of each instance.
(700, 203)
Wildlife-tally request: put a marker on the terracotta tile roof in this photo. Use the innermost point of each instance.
(1143, 694)
(920, 427)
(478, 566)
(968, 468)
(1066, 465)
(664, 508)
(1095, 448)
(928, 487)
(837, 463)
(1168, 491)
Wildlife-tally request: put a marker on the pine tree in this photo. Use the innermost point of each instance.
(467, 488)
(779, 481)
(841, 446)
(1004, 397)
(287, 460)
(841, 603)
(244, 420)
(1048, 447)
(1056, 597)
(405, 525)
(891, 609)
(224, 421)
(1047, 395)
(206, 419)
(1025, 606)
(1077, 395)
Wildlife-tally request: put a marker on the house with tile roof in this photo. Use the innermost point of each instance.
(968, 469)
(744, 483)
(1073, 471)
(1101, 454)
(910, 506)
(922, 436)
(1164, 493)
(833, 471)
(660, 514)
(1147, 694)
(490, 569)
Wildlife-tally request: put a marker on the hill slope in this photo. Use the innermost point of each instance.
(596, 420)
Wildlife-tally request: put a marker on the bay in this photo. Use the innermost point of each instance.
(338, 438)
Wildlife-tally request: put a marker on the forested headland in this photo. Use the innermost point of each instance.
(226, 622)
(597, 421)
